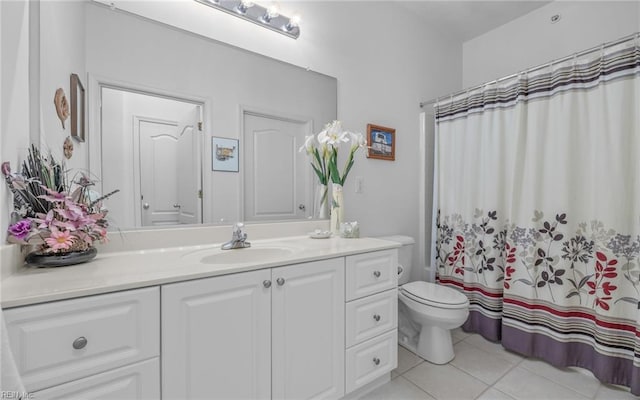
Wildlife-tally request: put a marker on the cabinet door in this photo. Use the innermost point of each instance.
(308, 330)
(134, 382)
(216, 338)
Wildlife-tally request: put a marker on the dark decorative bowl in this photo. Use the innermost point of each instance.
(60, 260)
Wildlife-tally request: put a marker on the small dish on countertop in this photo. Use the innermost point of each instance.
(319, 234)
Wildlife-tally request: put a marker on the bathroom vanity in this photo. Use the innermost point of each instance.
(291, 317)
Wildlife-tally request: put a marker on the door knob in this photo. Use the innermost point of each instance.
(145, 206)
(280, 281)
(266, 283)
(302, 207)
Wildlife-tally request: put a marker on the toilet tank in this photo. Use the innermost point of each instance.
(405, 255)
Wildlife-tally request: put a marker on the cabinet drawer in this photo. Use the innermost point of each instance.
(371, 316)
(371, 359)
(371, 273)
(139, 381)
(63, 341)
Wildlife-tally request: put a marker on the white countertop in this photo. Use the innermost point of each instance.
(114, 271)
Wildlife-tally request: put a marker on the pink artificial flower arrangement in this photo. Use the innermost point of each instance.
(51, 214)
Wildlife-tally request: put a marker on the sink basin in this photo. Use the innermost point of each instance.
(239, 256)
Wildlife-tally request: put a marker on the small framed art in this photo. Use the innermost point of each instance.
(77, 109)
(224, 153)
(381, 142)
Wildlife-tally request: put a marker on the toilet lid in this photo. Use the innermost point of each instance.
(436, 295)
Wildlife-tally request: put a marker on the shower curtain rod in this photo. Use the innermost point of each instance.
(633, 36)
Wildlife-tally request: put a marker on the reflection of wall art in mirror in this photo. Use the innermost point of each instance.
(62, 107)
(224, 154)
(67, 148)
(381, 142)
(77, 108)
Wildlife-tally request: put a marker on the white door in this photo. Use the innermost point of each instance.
(277, 179)
(308, 330)
(216, 338)
(189, 161)
(159, 152)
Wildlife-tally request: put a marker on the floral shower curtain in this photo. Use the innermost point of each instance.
(538, 200)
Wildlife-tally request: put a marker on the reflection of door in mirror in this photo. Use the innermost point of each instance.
(276, 185)
(155, 160)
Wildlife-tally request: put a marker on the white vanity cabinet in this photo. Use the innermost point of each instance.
(216, 337)
(104, 346)
(372, 317)
(273, 333)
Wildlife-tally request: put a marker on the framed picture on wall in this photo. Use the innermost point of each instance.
(224, 154)
(77, 109)
(381, 142)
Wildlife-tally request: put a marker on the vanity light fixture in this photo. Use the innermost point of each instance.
(269, 17)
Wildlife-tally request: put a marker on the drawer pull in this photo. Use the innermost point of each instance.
(376, 274)
(280, 281)
(377, 317)
(266, 283)
(80, 343)
(376, 360)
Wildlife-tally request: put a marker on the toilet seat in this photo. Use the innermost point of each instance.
(434, 295)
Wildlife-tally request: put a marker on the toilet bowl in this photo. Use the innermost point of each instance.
(435, 310)
(427, 311)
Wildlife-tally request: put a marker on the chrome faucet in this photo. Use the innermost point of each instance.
(238, 238)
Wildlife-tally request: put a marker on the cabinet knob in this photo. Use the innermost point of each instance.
(400, 269)
(280, 281)
(266, 283)
(377, 317)
(80, 343)
(376, 274)
(376, 360)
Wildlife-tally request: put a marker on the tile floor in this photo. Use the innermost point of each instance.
(486, 371)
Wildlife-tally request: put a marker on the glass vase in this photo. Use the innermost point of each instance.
(321, 202)
(337, 208)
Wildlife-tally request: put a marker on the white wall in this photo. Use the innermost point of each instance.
(62, 52)
(14, 94)
(532, 39)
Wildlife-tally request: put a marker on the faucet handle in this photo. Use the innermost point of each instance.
(238, 233)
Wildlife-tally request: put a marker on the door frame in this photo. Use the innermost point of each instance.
(94, 118)
(283, 116)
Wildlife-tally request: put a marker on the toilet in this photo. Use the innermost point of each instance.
(427, 311)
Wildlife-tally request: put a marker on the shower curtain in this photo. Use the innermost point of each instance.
(538, 211)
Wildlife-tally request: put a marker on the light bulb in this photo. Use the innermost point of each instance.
(271, 13)
(244, 6)
(294, 22)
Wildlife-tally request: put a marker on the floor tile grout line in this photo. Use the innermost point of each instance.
(421, 389)
(559, 383)
(522, 357)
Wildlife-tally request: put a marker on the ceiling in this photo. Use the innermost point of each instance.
(465, 20)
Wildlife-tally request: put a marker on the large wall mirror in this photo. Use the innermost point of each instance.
(156, 98)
